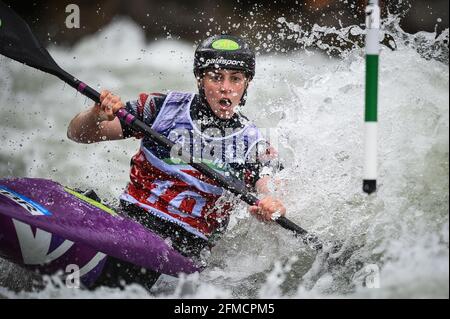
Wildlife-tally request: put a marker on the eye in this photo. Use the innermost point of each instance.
(212, 76)
(236, 79)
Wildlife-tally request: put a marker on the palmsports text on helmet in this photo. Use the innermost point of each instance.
(224, 52)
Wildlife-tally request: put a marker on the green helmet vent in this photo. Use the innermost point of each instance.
(226, 45)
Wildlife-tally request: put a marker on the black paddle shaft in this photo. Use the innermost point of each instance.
(18, 42)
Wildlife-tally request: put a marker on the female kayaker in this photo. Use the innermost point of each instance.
(168, 196)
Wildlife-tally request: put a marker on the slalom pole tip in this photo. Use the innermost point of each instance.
(370, 186)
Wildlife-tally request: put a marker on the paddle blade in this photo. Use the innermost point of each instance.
(18, 42)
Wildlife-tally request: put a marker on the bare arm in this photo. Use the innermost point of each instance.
(98, 123)
(262, 185)
(269, 205)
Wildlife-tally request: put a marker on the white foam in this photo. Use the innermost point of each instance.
(316, 104)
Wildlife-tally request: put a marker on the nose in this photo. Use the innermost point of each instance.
(226, 85)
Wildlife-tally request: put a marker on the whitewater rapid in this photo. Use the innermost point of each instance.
(313, 106)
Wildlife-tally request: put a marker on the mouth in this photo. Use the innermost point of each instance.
(225, 103)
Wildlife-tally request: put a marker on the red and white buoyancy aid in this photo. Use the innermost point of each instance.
(176, 191)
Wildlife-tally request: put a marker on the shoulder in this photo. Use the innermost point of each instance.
(180, 97)
(147, 99)
(147, 105)
(243, 118)
(248, 123)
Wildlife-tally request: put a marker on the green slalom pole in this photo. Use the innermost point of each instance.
(371, 117)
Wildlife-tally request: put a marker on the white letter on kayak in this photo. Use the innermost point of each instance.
(35, 247)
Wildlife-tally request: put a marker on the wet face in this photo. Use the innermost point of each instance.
(224, 90)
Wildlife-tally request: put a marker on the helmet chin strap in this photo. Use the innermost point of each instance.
(201, 91)
(244, 96)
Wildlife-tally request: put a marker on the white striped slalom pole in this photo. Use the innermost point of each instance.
(371, 114)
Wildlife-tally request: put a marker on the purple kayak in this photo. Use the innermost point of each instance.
(47, 227)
